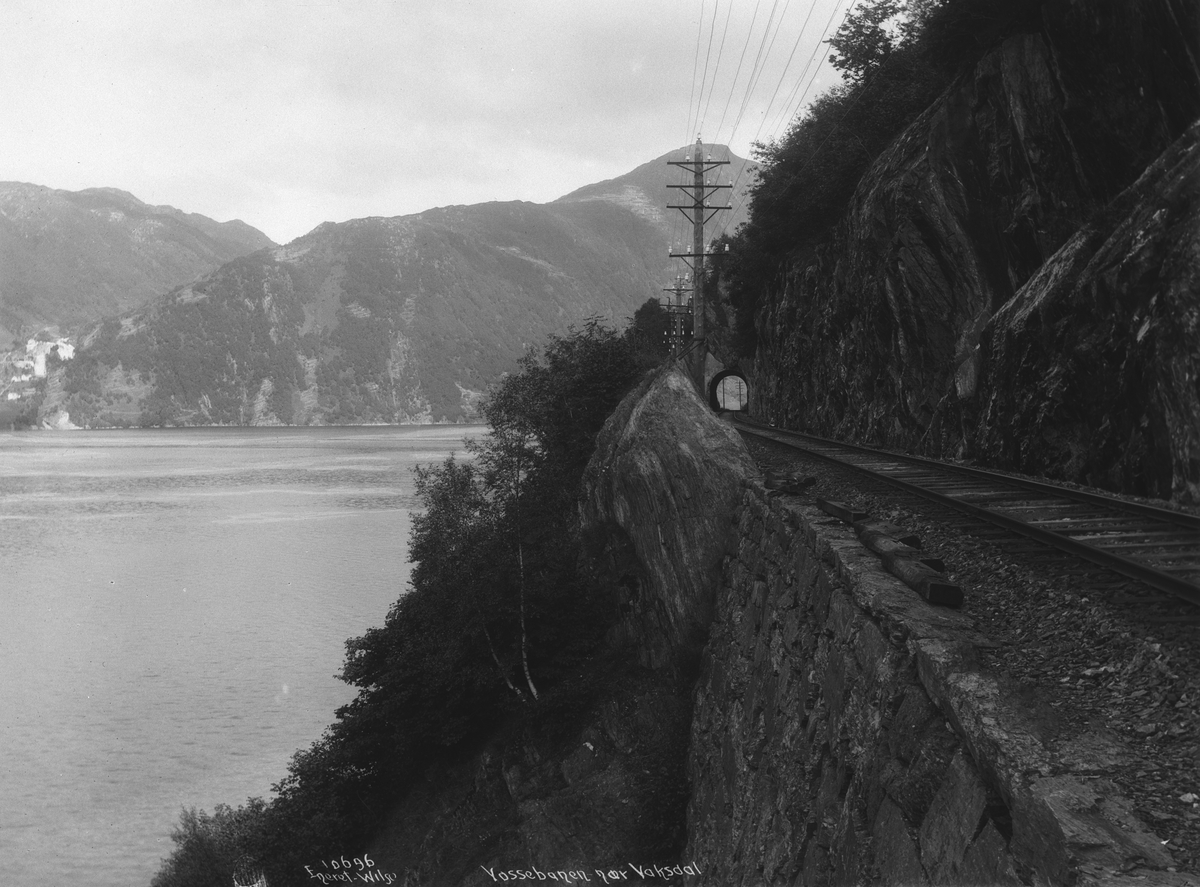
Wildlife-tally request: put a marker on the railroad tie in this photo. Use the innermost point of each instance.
(901, 555)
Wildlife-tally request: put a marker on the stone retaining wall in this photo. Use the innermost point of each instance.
(844, 734)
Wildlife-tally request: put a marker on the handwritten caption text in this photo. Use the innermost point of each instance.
(604, 876)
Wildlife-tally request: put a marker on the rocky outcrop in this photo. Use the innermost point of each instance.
(658, 490)
(1092, 371)
(876, 336)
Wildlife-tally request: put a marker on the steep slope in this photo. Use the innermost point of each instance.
(874, 335)
(71, 257)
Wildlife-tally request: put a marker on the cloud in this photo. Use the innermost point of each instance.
(287, 114)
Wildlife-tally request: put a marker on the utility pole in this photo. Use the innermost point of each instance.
(698, 212)
(677, 311)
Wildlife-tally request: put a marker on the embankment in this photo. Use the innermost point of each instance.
(843, 730)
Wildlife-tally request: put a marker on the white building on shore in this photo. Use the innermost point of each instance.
(38, 350)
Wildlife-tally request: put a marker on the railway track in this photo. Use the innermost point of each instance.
(1156, 546)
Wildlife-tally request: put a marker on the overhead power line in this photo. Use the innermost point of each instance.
(712, 29)
(783, 76)
(741, 58)
(717, 66)
(793, 109)
(695, 70)
(788, 93)
(754, 69)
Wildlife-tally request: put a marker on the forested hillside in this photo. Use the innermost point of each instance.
(71, 257)
(405, 319)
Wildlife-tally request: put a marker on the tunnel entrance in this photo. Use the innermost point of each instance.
(729, 391)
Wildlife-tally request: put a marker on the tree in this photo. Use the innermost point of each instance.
(496, 607)
(648, 329)
(543, 424)
(208, 847)
(450, 544)
(863, 41)
(508, 455)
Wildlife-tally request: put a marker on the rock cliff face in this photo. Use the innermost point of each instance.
(877, 336)
(664, 477)
(1092, 371)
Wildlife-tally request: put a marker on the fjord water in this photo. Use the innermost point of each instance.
(175, 605)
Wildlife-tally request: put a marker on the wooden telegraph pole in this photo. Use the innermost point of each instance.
(698, 212)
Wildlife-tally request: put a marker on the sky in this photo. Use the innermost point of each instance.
(289, 114)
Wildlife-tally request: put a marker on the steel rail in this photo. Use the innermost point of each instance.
(1155, 578)
(1183, 519)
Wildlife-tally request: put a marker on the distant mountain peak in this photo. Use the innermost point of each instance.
(112, 193)
(644, 190)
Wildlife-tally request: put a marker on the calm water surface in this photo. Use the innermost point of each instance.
(175, 605)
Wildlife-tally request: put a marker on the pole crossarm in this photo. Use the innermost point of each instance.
(678, 312)
(713, 210)
(705, 165)
(699, 212)
(703, 255)
(713, 185)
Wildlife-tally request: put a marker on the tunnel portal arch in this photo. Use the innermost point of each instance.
(729, 390)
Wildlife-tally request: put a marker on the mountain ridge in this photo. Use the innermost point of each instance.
(381, 319)
(68, 258)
